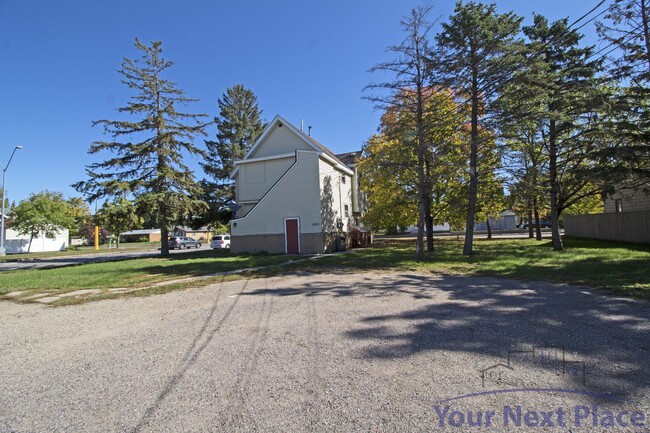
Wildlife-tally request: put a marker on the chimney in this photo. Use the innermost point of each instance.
(309, 131)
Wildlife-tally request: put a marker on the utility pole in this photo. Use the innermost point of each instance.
(96, 229)
(2, 215)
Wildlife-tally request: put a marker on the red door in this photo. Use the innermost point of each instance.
(291, 236)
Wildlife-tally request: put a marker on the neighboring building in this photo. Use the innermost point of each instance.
(507, 220)
(16, 243)
(198, 234)
(628, 200)
(150, 235)
(294, 195)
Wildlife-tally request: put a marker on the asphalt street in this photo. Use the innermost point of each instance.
(54, 262)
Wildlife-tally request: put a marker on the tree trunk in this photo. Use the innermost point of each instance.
(489, 228)
(429, 218)
(473, 180)
(530, 219)
(164, 242)
(555, 189)
(422, 190)
(429, 232)
(29, 247)
(538, 227)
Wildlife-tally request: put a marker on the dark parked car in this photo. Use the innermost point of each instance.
(182, 242)
(542, 224)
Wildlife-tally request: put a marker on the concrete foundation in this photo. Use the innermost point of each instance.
(310, 243)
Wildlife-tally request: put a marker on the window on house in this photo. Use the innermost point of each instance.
(618, 204)
(346, 211)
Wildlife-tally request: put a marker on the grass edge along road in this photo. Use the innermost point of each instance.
(621, 268)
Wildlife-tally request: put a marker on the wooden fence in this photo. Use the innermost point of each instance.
(619, 226)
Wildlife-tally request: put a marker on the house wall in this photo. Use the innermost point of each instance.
(278, 141)
(334, 195)
(256, 178)
(294, 196)
(631, 200)
(16, 243)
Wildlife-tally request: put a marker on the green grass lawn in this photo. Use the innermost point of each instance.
(132, 272)
(622, 268)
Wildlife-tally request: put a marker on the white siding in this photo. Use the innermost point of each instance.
(295, 195)
(256, 178)
(341, 194)
(631, 200)
(279, 141)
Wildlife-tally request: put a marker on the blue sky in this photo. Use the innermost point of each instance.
(304, 60)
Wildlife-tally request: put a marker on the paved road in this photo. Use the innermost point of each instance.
(54, 262)
(368, 352)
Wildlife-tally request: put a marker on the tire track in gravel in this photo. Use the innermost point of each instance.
(318, 383)
(239, 395)
(191, 355)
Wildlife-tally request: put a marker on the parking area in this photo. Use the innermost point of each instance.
(326, 352)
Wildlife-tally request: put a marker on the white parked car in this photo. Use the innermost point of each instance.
(220, 242)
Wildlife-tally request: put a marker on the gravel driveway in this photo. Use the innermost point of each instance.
(342, 352)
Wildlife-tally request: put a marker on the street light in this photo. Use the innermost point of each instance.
(2, 215)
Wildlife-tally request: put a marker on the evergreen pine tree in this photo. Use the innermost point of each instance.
(239, 125)
(477, 46)
(150, 165)
(570, 102)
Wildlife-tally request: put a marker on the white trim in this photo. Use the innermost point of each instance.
(336, 164)
(284, 224)
(265, 158)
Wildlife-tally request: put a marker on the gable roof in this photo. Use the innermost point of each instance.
(318, 147)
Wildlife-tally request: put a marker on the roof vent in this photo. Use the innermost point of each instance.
(309, 131)
(280, 125)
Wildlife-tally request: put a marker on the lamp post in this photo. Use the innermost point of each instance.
(2, 216)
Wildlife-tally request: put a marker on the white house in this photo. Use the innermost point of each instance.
(628, 200)
(293, 194)
(16, 243)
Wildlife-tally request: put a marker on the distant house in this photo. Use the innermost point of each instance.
(437, 228)
(200, 233)
(150, 235)
(507, 220)
(16, 243)
(294, 195)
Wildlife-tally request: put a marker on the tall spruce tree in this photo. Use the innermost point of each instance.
(150, 165)
(476, 56)
(570, 102)
(627, 29)
(239, 125)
